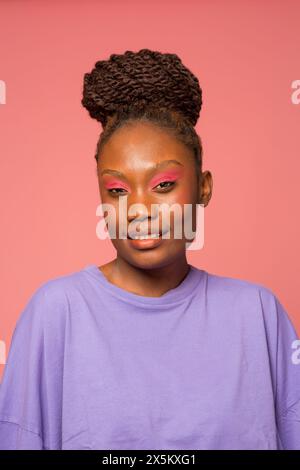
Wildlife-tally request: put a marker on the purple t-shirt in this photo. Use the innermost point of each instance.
(214, 363)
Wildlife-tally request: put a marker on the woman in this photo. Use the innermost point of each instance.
(148, 351)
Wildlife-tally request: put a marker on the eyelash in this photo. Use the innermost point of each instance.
(115, 189)
(172, 183)
(168, 182)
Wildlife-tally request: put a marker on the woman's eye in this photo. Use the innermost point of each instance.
(116, 190)
(165, 184)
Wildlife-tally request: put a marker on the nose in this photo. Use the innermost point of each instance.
(138, 211)
(141, 210)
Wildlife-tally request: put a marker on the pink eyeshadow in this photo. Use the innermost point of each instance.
(170, 175)
(116, 184)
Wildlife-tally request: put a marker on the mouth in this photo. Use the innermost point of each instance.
(145, 236)
(145, 240)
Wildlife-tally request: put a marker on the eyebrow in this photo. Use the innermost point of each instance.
(152, 169)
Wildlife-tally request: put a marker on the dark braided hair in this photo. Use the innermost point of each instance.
(145, 85)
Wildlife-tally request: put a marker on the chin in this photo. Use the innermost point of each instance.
(151, 259)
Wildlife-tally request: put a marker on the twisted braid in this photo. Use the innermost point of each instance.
(147, 85)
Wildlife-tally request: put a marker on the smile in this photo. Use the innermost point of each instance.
(145, 237)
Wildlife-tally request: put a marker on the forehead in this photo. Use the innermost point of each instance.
(140, 146)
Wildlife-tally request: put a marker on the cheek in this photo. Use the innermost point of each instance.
(184, 194)
(111, 215)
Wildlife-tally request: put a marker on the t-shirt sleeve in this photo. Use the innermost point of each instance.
(288, 381)
(284, 348)
(30, 390)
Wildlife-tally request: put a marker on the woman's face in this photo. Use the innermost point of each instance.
(145, 165)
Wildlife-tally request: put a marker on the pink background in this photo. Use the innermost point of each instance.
(246, 56)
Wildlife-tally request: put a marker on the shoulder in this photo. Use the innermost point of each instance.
(57, 290)
(233, 286)
(246, 296)
(50, 301)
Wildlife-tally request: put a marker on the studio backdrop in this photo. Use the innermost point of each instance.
(246, 56)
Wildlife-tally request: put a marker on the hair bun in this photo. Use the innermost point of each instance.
(139, 79)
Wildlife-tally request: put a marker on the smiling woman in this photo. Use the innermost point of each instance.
(150, 153)
(149, 351)
(148, 179)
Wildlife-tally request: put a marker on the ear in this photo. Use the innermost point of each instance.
(205, 188)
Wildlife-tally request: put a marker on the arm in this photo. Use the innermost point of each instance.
(31, 387)
(287, 399)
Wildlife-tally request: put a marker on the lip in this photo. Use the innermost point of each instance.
(146, 243)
